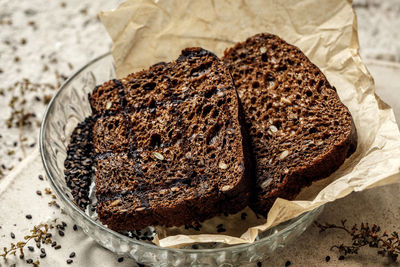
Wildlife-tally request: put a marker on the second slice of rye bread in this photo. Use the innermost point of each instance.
(299, 128)
(169, 145)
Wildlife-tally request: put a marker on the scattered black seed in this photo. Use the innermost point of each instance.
(75, 227)
(38, 245)
(121, 259)
(38, 192)
(64, 224)
(28, 216)
(221, 230)
(15, 143)
(259, 264)
(72, 255)
(32, 145)
(341, 258)
(42, 250)
(41, 177)
(196, 226)
(31, 248)
(54, 244)
(243, 215)
(21, 256)
(12, 235)
(69, 261)
(29, 261)
(288, 263)
(61, 233)
(327, 258)
(42, 255)
(57, 247)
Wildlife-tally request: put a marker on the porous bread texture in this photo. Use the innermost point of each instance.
(169, 145)
(300, 130)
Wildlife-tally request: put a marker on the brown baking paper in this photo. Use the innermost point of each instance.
(146, 32)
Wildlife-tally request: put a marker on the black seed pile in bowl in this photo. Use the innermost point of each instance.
(79, 172)
(147, 234)
(78, 164)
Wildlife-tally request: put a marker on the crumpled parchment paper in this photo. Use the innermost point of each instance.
(149, 31)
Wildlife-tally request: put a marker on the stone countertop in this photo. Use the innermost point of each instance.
(43, 42)
(378, 29)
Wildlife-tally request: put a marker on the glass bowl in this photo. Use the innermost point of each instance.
(70, 106)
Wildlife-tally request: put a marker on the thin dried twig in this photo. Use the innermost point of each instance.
(388, 245)
(39, 233)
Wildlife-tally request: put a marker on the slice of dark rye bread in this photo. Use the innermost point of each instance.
(169, 145)
(299, 128)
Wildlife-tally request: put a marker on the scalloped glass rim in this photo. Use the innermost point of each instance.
(66, 201)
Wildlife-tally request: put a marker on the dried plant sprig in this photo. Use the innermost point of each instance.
(40, 233)
(19, 116)
(363, 235)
